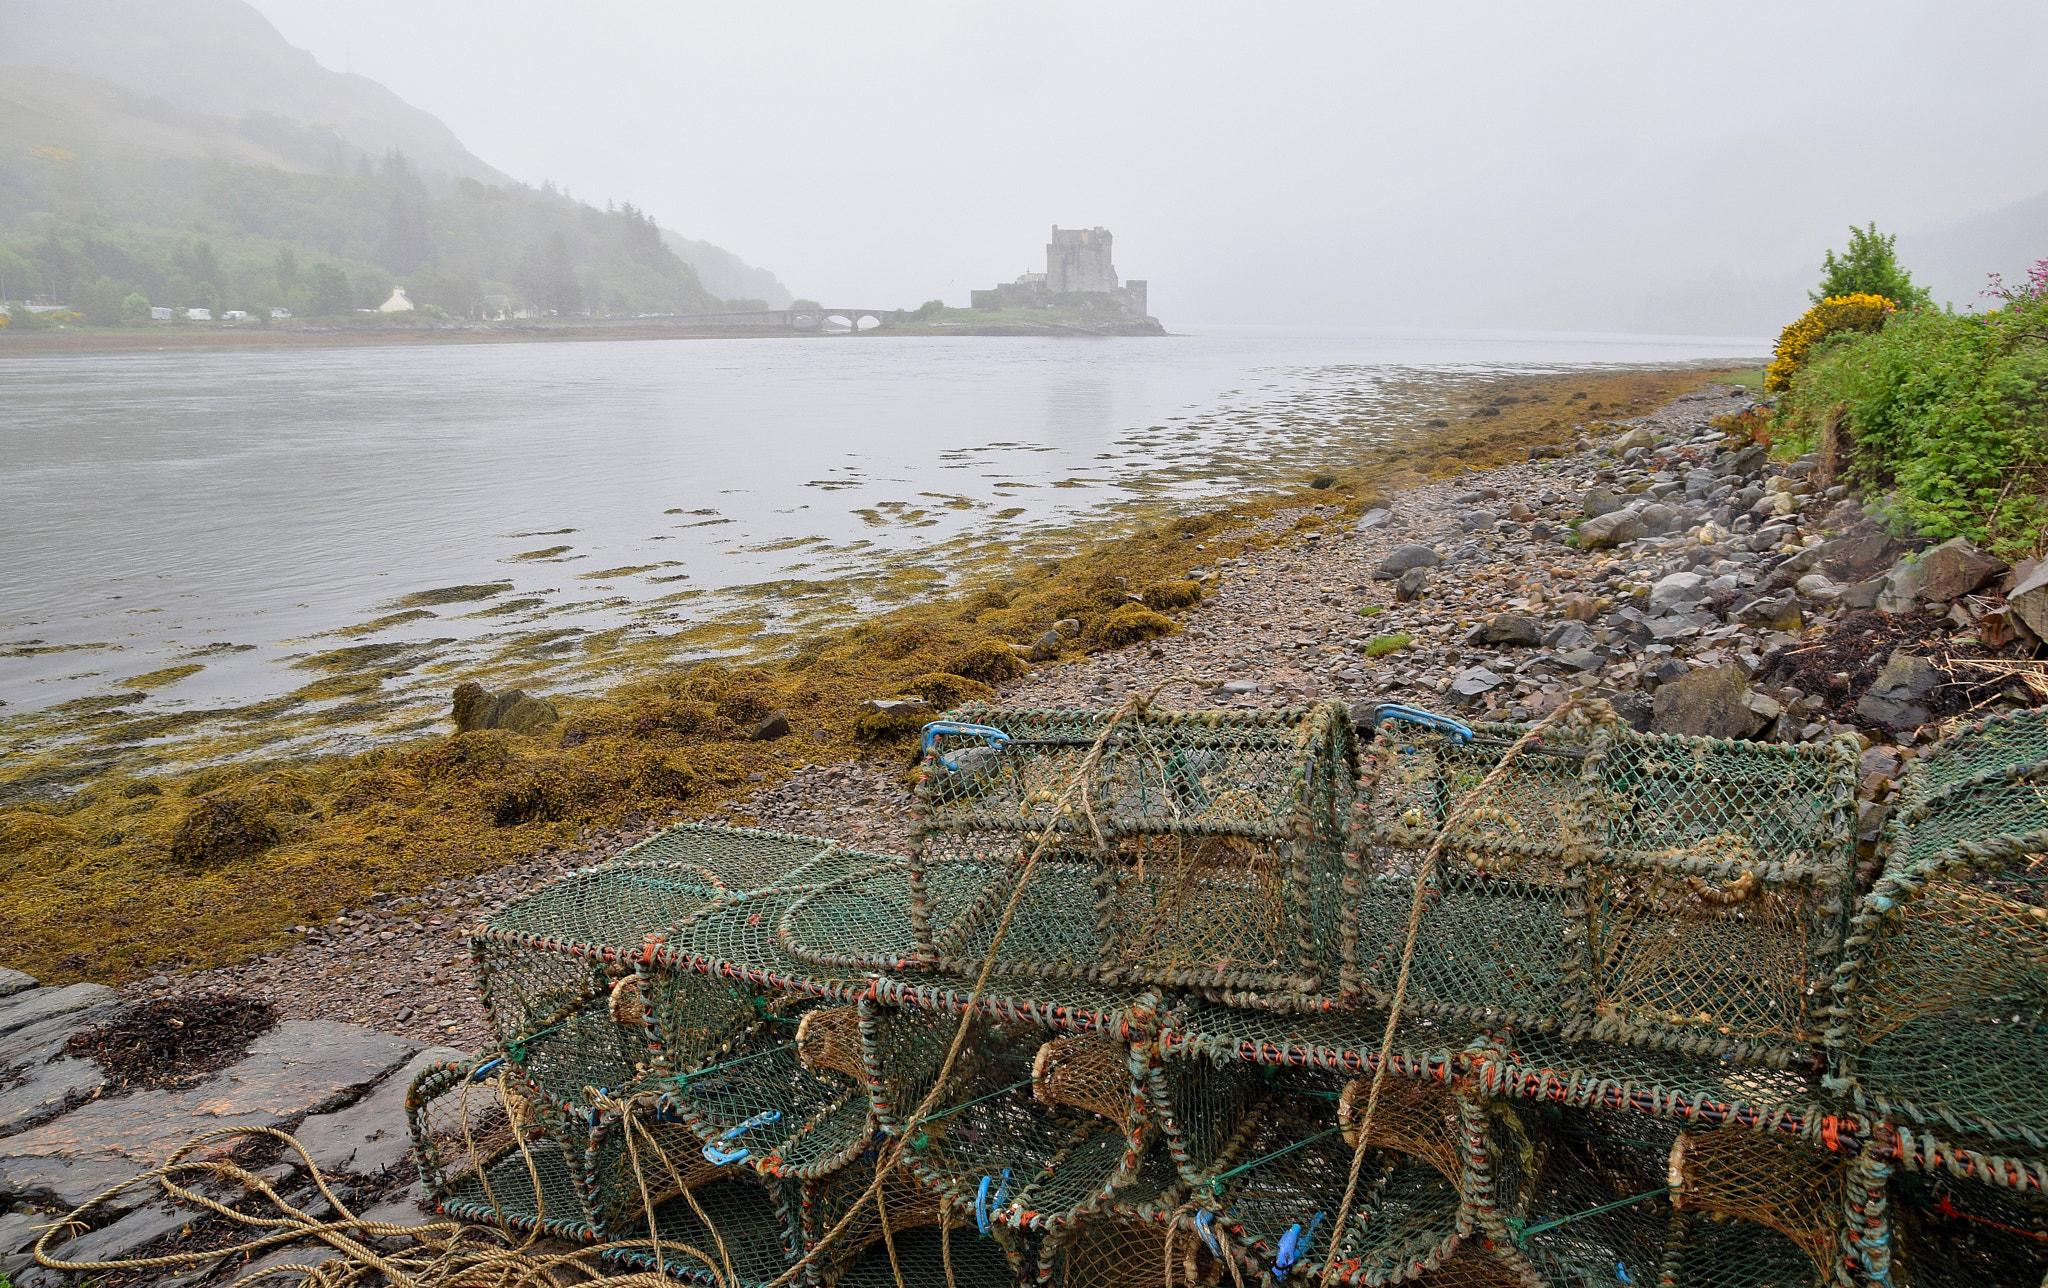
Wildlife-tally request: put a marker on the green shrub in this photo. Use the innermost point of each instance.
(1945, 413)
(1381, 645)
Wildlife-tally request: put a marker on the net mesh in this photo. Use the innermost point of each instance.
(1651, 1035)
(1187, 849)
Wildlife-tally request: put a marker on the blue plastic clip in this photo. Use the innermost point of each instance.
(989, 735)
(984, 1204)
(1621, 1273)
(1203, 1220)
(1294, 1245)
(1386, 711)
(726, 1157)
(477, 1074)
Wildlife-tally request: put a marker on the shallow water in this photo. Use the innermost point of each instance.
(157, 508)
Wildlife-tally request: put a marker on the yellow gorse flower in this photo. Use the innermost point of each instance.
(1835, 313)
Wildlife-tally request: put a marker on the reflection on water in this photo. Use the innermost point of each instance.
(240, 511)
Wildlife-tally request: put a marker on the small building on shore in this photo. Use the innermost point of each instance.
(397, 303)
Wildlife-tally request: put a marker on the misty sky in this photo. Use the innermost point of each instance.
(1331, 163)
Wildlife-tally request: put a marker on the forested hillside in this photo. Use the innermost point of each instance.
(108, 198)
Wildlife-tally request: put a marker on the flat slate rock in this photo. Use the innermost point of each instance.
(44, 1040)
(19, 1231)
(45, 1090)
(121, 1239)
(299, 1067)
(24, 1009)
(370, 1136)
(13, 981)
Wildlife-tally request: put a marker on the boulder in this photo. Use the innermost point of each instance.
(1569, 634)
(1614, 529)
(1377, 517)
(2029, 599)
(1656, 516)
(1580, 608)
(1897, 698)
(1901, 587)
(1712, 702)
(516, 710)
(1520, 513)
(776, 725)
(1637, 437)
(1955, 567)
(1678, 588)
(1409, 586)
(1513, 628)
(1598, 501)
(1779, 612)
(1404, 558)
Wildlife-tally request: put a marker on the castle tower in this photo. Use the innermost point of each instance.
(1077, 259)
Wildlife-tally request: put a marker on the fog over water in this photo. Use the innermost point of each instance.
(1603, 165)
(248, 508)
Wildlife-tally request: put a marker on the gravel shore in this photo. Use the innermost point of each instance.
(1503, 620)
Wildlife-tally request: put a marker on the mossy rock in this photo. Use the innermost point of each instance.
(1132, 624)
(889, 726)
(905, 640)
(981, 601)
(990, 662)
(221, 828)
(943, 689)
(1166, 596)
(478, 754)
(477, 708)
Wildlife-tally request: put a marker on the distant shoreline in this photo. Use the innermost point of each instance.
(137, 340)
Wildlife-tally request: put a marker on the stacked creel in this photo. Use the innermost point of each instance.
(1650, 1033)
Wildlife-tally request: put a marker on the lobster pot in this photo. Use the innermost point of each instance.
(548, 963)
(1120, 1247)
(1034, 1126)
(1944, 1019)
(1749, 1208)
(925, 1234)
(1199, 850)
(774, 1103)
(751, 1228)
(1718, 894)
(1496, 942)
(1964, 1216)
(1598, 1209)
(488, 1152)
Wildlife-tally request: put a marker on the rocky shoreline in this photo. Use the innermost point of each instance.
(1706, 590)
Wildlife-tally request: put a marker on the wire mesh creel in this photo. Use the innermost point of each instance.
(1204, 851)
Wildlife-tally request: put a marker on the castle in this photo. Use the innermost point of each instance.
(1077, 264)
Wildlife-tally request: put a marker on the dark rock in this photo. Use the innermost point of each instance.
(1897, 698)
(1712, 702)
(1863, 596)
(1598, 501)
(1657, 516)
(1668, 670)
(1635, 710)
(1678, 588)
(1404, 558)
(1567, 635)
(1579, 659)
(1614, 529)
(1901, 587)
(1742, 462)
(1410, 585)
(1779, 612)
(775, 726)
(1955, 567)
(1474, 681)
(1513, 628)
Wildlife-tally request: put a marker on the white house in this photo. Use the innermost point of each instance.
(397, 303)
(157, 313)
(199, 315)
